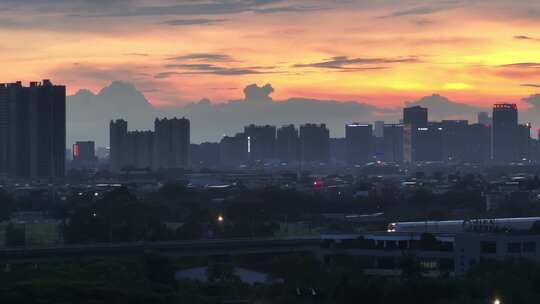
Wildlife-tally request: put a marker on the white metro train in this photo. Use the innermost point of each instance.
(457, 226)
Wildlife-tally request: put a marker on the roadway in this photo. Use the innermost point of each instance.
(214, 247)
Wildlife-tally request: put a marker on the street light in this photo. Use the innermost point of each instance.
(220, 219)
(497, 301)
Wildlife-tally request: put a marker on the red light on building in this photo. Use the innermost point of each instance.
(505, 106)
(75, 151)
(318, 183)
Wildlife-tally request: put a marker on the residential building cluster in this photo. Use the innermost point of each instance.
(167, 147)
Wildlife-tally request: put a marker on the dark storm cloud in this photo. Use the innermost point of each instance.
(166, 75)
(523, 37)
(67, 6)
(92, 72)
(524, 65)
(415, 11)
(197, 8)
(346, 63)
(147, 8)
(191, 69)
(430, 8)
(203, 63)
(188, 22)
(137, 54)
(209, 57)
(287, 9)
(423, 22)
(220, 71)
(11, 23)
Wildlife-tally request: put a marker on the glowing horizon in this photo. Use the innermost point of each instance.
(380, 53)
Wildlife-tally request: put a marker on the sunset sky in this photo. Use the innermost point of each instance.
(380, 52)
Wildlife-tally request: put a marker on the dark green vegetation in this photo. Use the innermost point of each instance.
(150, 279)
(176, 212)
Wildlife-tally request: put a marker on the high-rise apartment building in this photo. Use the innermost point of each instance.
(261, 142)
(233, 150)
(359, 139)
(172, 140)
(204, 155)
(288, 144)
(314, 143)
(139, 150)
(33, 130)
(118, 131)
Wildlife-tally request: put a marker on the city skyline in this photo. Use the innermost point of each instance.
(382, 54)
(270, 151)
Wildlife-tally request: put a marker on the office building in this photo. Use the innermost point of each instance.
(477, 144)
(288, 144)
(454, 138)
(378, 130)
(172, 139)
(261, 142)
(84, 151)
(524, 143)
(359, 138)
(393, 143)
(422, 143)
(314, 143)
(417, 116)
(449, 254)
(338, 151)
(505, 133)
(33, 130)
(84, 154)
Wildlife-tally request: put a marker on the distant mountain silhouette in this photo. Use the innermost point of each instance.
(533, 112)
(210, 121)
(440, 107)
(88, 114)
